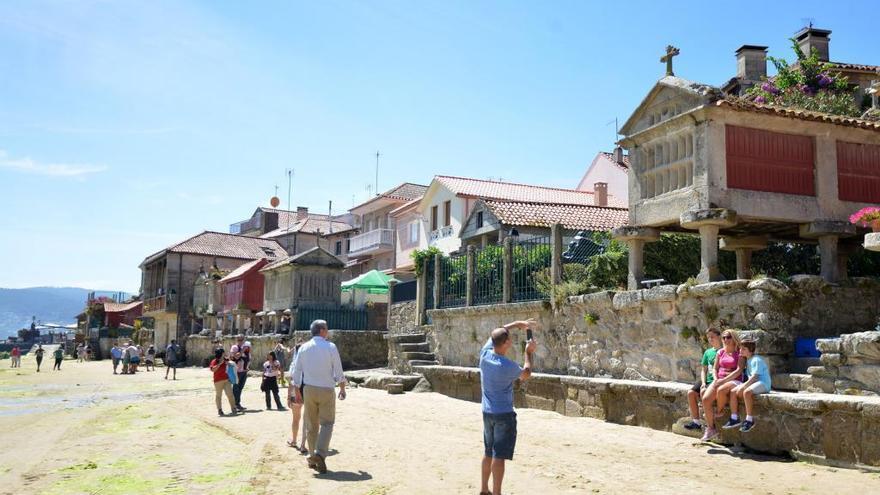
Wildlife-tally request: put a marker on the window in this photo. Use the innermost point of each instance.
(414, 233)
(434, 218)
(348, 245)
(338, 248)
(479, 219)
(447, 213)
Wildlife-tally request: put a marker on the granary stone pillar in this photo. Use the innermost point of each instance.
(635, 239)
(708, 222)
(828, 232)
(844, 251)
(743, 247)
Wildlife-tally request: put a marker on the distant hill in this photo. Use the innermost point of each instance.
(49, 304)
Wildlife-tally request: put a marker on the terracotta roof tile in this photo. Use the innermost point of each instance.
(795, 113)
(225, 245)
(610, 156)
(244, 269)
(510, 191)
(574, 217)
(862, 67)
(113, 307)
(406, 191)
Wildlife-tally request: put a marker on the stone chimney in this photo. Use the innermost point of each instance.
(600, 194)
(810, 37)
(618, 155)
(302, 212)
(751, 62)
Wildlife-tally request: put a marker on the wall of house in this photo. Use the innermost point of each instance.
(403, 251)
(655, 334)
(604, 170)
(301, 285)
(459, 210)
(833, 427)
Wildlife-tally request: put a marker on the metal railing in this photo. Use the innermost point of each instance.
(372, 240)
(488, 275)
(453, 274)
(529, 257)
(158, 303)
(337, 318)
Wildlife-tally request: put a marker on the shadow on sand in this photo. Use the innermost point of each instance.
(345, 476)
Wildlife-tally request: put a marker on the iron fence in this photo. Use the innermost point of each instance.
(531, 257)
(404, 291)
(453, 281)
(337, 318)
(429, 284)
(488, 275)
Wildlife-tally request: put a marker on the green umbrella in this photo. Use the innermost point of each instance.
(374, 282)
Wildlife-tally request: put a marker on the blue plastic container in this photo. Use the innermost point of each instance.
(806, 348)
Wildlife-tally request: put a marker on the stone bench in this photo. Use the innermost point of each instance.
(838, 428)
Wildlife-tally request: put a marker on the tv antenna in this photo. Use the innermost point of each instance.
(616, 129)
(377, 172)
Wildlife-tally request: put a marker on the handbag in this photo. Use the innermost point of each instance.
(263, 387)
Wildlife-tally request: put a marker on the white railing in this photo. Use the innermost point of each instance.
(441, 233)
(374, 239)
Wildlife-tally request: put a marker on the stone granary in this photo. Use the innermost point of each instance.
(746, 173)
(310, 279)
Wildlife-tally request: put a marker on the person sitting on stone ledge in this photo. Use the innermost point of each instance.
(758, 383)
(707, 367)
(729, 367)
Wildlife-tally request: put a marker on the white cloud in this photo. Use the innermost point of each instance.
(28, 165)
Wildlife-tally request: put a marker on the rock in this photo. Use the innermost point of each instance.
(678, 427)
(808, 282)
(632, 374)
(829, 345)
(822, 371)
(422, 386)
(867, 374)
(769, 321)
(717, 288)
(630, 299)
(768, 342)
(863, 346)
(770, 285)
(831, 359)
(661, 293)
(394, 388)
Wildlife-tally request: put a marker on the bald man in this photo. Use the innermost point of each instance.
(497, 374)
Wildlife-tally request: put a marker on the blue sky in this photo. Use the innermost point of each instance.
(125, 126)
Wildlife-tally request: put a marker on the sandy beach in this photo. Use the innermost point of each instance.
(84, 430)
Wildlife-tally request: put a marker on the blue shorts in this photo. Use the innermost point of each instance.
(499, 435)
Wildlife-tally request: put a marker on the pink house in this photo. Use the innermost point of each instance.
(611, 169)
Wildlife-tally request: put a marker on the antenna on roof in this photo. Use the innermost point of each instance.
(377, 172)
(616, 130)
(808, 22)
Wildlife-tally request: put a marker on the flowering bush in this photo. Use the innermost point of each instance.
(808, 84)
(865, 216)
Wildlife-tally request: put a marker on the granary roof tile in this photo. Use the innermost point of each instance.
(795, 113)
(510, 191)
(225, 245)
(244, 270)
(575, 217)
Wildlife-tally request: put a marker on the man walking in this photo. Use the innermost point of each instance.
(116, 355)
(172, 353)
(59, 356)
(16, 357)
(241, 359)
(39, 355)
(318, 369)
(497, 375)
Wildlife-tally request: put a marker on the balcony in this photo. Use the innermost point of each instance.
(441, 233)
(155, 304)
(372, 242)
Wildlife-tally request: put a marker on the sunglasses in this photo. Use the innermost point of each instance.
(727, 337)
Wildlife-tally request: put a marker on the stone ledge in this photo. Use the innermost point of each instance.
(872, 241)
(694, 219)
(516, 307)
(836, 428)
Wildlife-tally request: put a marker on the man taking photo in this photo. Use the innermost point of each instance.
(497, 375)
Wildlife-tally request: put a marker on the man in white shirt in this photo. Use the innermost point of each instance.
(318, 369)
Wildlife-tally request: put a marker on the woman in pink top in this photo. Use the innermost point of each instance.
(729, 367)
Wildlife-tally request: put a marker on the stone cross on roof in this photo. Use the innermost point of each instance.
(671, 51)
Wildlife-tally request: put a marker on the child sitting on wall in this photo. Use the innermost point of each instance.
(758, 383)
(707, 367)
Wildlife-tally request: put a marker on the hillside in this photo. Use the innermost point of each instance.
(49, 304)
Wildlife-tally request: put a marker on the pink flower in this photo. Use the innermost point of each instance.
(864, 216)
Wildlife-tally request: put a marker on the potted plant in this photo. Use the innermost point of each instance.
(867, 217)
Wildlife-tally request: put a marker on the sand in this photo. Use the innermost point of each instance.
(84, 430)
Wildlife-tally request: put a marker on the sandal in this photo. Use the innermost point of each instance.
(291, 444)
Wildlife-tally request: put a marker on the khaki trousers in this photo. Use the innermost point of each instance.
(219, 388)
(320, 410)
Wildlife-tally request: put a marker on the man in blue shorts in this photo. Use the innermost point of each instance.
(497, 374)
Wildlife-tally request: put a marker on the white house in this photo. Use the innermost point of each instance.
(609, 168)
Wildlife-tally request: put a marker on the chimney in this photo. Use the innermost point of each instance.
(302, 212)
(810, 37)
(270, 221)
(751, 62)
(618, 155)
(600, 194)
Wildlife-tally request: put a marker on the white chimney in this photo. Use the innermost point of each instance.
(600, 194)
(302, 212)
(751, 62)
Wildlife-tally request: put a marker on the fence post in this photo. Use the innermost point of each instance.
(507, 278)
(421, 288)
(471, 276)
(391, 284)
(556, 254)
(437, 259)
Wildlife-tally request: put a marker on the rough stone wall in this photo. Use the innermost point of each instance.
(850, 365)
(357, 349)
(834, 427)
(402, 317)
(657, 334)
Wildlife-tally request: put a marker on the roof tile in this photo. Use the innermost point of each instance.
(510, 191)
(229, 246)
(574, 217)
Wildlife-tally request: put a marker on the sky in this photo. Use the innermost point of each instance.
(127, 126)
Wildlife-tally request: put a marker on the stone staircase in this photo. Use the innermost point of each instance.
(408, 350)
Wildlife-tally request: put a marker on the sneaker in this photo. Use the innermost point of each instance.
(313, 462)
(320, 467)
(747, 426)
(693, 425)
(709, 435)
(731, 423)
(220, 412)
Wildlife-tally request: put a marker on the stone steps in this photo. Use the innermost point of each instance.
(418, 362)
(408, 338)
(415, 347)
(418, 356)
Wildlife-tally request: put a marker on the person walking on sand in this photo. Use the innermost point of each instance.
(15, 355)
(240, 358)
(221, 382)
(172, 353)
(497, 375)
(271, 372)
(59, 356)
(38, 354)
(150, 361)
(295, 406)
(80, 353)
(281, 352)
(318, 370)
(116, 356)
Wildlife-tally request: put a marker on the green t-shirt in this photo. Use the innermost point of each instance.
(59, 354)
(709, 360)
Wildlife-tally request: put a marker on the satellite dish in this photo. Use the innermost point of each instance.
(274, 201)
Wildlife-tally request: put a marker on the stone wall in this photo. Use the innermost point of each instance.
(656, 334)
(850, 365)
(357, 348)
(402, 317)
(834, 427)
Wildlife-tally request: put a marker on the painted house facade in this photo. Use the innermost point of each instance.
(611, 170)
(116, 314)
